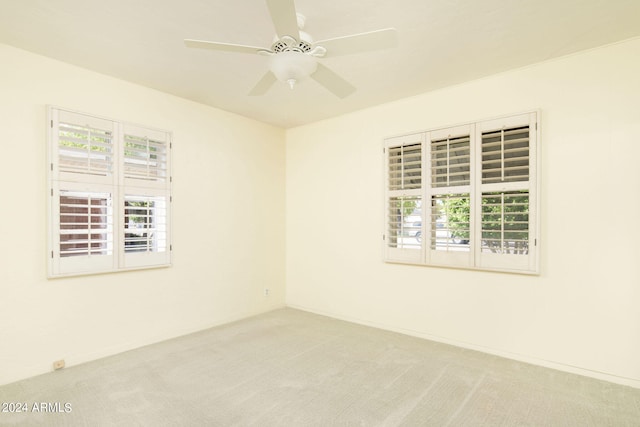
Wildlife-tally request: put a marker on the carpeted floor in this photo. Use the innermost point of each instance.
(291, 368)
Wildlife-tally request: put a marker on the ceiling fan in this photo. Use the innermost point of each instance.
(294, 55)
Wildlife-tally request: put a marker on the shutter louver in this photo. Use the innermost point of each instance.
(405, 167)
(451, 161)
(450, 222)
(85, 224)
(505, 155)
(83, 149)
(404, 219)
(145, 224)
(145, 158)
(505, 222)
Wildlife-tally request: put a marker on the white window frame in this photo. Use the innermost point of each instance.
(479, 255)
(150, 181)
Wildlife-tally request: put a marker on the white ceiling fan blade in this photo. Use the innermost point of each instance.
(263, 85)
(283, 15)
(225, 47)
(333, 82)
(363, 42)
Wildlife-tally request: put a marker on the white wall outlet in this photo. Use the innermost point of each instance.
(266, 292)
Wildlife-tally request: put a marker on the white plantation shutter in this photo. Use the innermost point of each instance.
(145, 206)
(82, 237)
(82, 148)
(145, 227)
(405, 222)
(450, 222)
(505, 223)
(405, 166)
(450, 152)
(86, 223)
(507, 193)
(146, 156)
(109, 193)
(464, 196)
(505, 155)
(85, 150)
(403, 213)
(451, 159)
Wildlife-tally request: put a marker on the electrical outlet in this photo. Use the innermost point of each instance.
(58, 364)
(266, 292)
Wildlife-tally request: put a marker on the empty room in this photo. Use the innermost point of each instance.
(315, 213)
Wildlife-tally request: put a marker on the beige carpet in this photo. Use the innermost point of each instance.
(291, 368)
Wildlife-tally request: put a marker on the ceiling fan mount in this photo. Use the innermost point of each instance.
(294, 55)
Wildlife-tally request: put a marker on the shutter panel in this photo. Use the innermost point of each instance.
(405, 167)
(83, 148)
(403, 212)
(145, 218)
(145, 157)
(86, 224)
(82, 229)
(507, 194)
(505, 155)
(505, 223)
(145, 224)
(450, 222)
(449, 225)
(451, 161)
(404, 219)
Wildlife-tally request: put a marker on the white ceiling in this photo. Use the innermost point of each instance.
(441, 42)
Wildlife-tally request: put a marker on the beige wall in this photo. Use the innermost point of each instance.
(581, 314)
(228, 223)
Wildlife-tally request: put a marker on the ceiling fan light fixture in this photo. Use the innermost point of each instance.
(293, 55)
(292, 67)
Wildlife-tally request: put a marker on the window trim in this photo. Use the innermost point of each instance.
(475, 258)
(114, 183)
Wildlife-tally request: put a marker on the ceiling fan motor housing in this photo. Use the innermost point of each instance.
(289, 44)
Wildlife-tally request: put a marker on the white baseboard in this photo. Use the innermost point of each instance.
(80, 358)
(632, 382)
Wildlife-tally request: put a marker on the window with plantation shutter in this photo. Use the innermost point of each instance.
(479, 186)
(109, 195)
(449, 221)
(507, 193)
(403, 213)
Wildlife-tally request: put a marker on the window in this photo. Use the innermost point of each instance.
(464, 196)
(110, 195)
